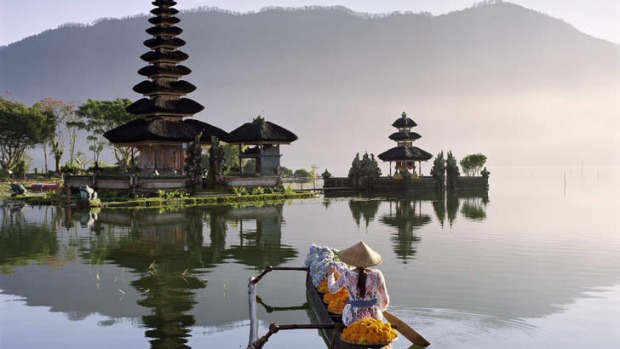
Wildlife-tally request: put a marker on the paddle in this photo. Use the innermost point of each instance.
(405, 329)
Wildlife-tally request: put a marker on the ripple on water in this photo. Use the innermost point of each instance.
(592, 320)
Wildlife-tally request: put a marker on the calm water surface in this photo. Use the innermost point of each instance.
(531, 263)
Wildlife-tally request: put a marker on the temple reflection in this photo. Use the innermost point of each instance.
(364, 209)
(164, 249)
(260, 237)
(163, 257)
(172, 250)
(406, 216)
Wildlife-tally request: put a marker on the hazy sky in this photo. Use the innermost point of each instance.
(22, 18)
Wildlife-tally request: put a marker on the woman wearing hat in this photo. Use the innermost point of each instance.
(368, 295)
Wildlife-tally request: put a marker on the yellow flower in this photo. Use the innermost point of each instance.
(369, 331)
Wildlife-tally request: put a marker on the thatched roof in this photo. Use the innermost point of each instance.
(164, 2)
(164, 20)
(182, 106)
(405, 154)
(172, 31)
(401, 136)
(404, 121)
(177, 87)
(173, 56)
(260, 131)
(159, 42)
(141, 130)
(152, 71)
(161, 11)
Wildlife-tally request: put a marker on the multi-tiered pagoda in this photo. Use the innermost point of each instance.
(404, 154)
(160, 133)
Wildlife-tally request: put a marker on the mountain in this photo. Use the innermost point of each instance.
(517, 85)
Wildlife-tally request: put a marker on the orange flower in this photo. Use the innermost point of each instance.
(369, 331)
(322, 287)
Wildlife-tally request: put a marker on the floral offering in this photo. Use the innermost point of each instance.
(318, 259)
(322, 287)
(369, 331)
(341, 294)
(337, 305)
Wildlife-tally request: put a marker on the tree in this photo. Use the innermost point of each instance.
(452, 171)
(473, 163)
(354, 171)
(58, 113)
(302, 175)
(366, 169)
(439, 167)
(21, 127)
(82, 161)
(287, 172)
(98, 117)
(439, 170)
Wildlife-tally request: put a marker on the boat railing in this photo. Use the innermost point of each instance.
(256, 342)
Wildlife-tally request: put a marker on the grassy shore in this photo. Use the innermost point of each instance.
(157, 200)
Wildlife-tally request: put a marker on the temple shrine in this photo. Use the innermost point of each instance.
(405, 154)
(160, 133)
(264, 139)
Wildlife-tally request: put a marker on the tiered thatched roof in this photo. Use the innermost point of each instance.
(260, 131)
(405, 151)
(161, 113)
(405, 154)
(141, 130)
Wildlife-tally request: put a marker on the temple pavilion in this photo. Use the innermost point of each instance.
(160, 133)
(405, 154)
(264, 139)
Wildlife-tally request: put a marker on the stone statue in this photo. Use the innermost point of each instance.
(87, 193)
(193, 168)
(17, 189)
(216, 159)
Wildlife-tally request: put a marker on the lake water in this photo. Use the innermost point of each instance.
(535, 262)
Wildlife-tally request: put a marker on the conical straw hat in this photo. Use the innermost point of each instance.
(360, 255)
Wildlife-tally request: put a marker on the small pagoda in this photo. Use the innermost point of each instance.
(160, 133)
(405, 154)
(264, 139)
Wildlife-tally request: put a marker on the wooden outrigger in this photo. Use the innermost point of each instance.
(330, 325)
(256, 342)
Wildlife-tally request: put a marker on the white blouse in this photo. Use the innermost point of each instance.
(375, 289)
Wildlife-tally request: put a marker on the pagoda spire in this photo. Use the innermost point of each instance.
(164, 90)
(162, 128)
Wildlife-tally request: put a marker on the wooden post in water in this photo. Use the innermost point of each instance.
(253, 317)
(68, 195)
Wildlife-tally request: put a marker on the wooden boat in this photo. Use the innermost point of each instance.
(332, 335)
(330, 325)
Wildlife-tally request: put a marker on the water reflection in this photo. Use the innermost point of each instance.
(164, 249)
(23, 241)
(405, 216)
(116, 276)
(152, 264)
(365, 209)
(165, 253)
(260, 232)
(169, 252)
(474, 204)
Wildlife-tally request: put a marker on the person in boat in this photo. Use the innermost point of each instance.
(368, 296)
